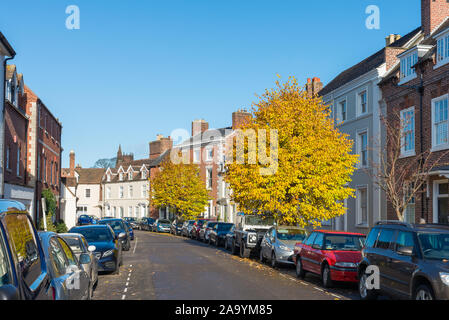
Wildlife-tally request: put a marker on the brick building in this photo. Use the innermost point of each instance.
(416, 89)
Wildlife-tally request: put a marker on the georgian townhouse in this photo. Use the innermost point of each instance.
(354, 98)
(44, 152)
(417, 88)
(126, 187)
(81, 192)
(208, 148)
(15, 140)
(6, 52)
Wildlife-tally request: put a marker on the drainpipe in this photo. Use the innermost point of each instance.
(3, 123)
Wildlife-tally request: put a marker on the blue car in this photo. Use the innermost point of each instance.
(130, 230)
(162, 225)
(85, 219)
(119, 226)
(108, 250)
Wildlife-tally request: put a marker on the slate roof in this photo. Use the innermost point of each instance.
(197, 137)
(368, 64)
(90, 175)
(6, 44)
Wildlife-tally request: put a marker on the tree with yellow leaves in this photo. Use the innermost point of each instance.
(179, 187)
(309, 181)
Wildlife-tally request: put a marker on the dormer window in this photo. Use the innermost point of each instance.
(120, 176)
(407, 71)
(108, 178)
(442, 53)
(144, 174)
(130, 175)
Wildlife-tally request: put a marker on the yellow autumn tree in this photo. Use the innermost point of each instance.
(179, 187)
(310, 161)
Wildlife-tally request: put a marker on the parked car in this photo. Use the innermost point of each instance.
(229, 238)
(130, 230)
(79, 246)
(132, 221)
(146, 223)
(161, 225)
(278, 244)
(195, 230)
(205, 230)
(69, 281)
(176, 227)
(94, 219)
(332, 254)
(217, 234)
(23, 270)
(119, 226)
(84, 219)
(186, 227)
(108, 247)
(412, 261)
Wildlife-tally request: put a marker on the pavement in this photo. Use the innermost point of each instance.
(163, 266)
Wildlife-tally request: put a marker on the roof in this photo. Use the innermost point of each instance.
(197, 137)
(340, 232)
(10, 69)
(7, 45)
(90, 175)
(366, 65)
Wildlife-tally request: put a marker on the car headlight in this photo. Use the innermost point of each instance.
(284, 248)
(108, 253)
(444, 276)
(346, 264)
(252, 237)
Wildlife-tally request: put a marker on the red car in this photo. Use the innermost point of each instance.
(333, 255)
(195, 231)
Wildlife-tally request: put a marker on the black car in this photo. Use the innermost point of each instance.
(108, 247)
(132, 221)
(23, 271)
(229, 239)
(119, 226)
(412, 261)
(217, 234)
(176, 227)
(146, 224)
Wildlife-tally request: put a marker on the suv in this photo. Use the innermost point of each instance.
(195, 231)
(248, 233)
(23, 271)
(413, 261)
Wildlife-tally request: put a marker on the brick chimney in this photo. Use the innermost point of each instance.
(72, 163)
(199, 126)
(391, 39)
(433, 13)
(160, 145)
(240, 117)
(313, 86)
(391, 56)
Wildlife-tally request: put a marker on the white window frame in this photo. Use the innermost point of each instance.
(359, 147)
(108, 192)
(120, 192)
(130, 191)
(442, 50)
(196, 155)
(359, 222)
(411, 152)
(340, 111)
(144, 190)
(86, 191)
(359, 102)
(406, 72)
(209, 178)
(442, 146)
(208, 157)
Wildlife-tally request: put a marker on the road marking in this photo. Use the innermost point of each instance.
(126, 289)
(319, 289)
(127, 284)
(135, 246)
(123, 297)
(127, 279)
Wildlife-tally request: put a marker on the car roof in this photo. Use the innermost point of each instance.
(76, 235)
(111, 219)
(91, 226)
(428, 227)
(340, 232)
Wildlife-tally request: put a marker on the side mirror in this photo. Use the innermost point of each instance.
(9, 292)
(91, 248)
(405, 251)
(84, 258)
(122, 235)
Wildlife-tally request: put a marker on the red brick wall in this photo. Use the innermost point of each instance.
(433, 13)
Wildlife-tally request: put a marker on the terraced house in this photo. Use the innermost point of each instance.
(354, 96)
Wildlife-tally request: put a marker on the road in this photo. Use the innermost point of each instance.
(162, 266)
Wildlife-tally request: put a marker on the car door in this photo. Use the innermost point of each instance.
(403, 266)
(315, 254)
(266, 243)
(305, 252)
(383, 254)
(6, 268)
(59, 265)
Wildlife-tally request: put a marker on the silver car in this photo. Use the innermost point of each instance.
(79, 245)
(278, 244)
(68, 280)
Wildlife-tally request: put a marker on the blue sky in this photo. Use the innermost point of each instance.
(140, 68)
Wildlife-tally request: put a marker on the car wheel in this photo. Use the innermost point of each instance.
(117, 269)
(424, 292)
(300, 273)
(326, 277)
(261, 257)
(274, 263)
(244, 252)
(364, 292)
(233, 248)
(217, 242)
(226, 244)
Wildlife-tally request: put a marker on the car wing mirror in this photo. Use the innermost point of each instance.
(9, 292)
(405, 251)
(84, 258)
(121, 235)
(91, 248)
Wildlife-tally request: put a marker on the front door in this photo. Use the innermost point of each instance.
(441, 199)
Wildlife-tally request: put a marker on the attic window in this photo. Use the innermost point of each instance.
(120, 176)
(407, 63)
(130, 175)
(144, 174)
(108, 178)
(442, 53)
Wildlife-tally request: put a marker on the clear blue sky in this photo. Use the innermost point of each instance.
(139, 68)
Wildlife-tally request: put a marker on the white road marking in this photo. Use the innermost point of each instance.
(127, 284)
(126, 289)
(123, 297)
(135, 246)
(127, 279)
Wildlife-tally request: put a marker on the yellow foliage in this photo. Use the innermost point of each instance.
(315, 162)
(180, 187)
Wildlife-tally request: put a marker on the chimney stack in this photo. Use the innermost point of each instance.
(313, 86)
(240, 117)
(433, 13)
(159, 146)
(391, 38)
(199, 126)
(72, 163)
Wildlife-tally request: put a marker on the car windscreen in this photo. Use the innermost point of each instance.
(224, 226)
(435, 246)
(164, 221)
(74, 244)
(94, 234)
(116, 225)
(343, 242)
(291, 234)
(259, 221)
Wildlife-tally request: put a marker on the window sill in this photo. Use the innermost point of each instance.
(439, 147)
(407, 155)
(362, 225)
(407, 79)
(441, 63)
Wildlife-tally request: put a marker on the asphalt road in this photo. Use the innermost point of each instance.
(162, 266)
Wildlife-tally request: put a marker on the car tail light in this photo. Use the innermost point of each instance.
(53, 293)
